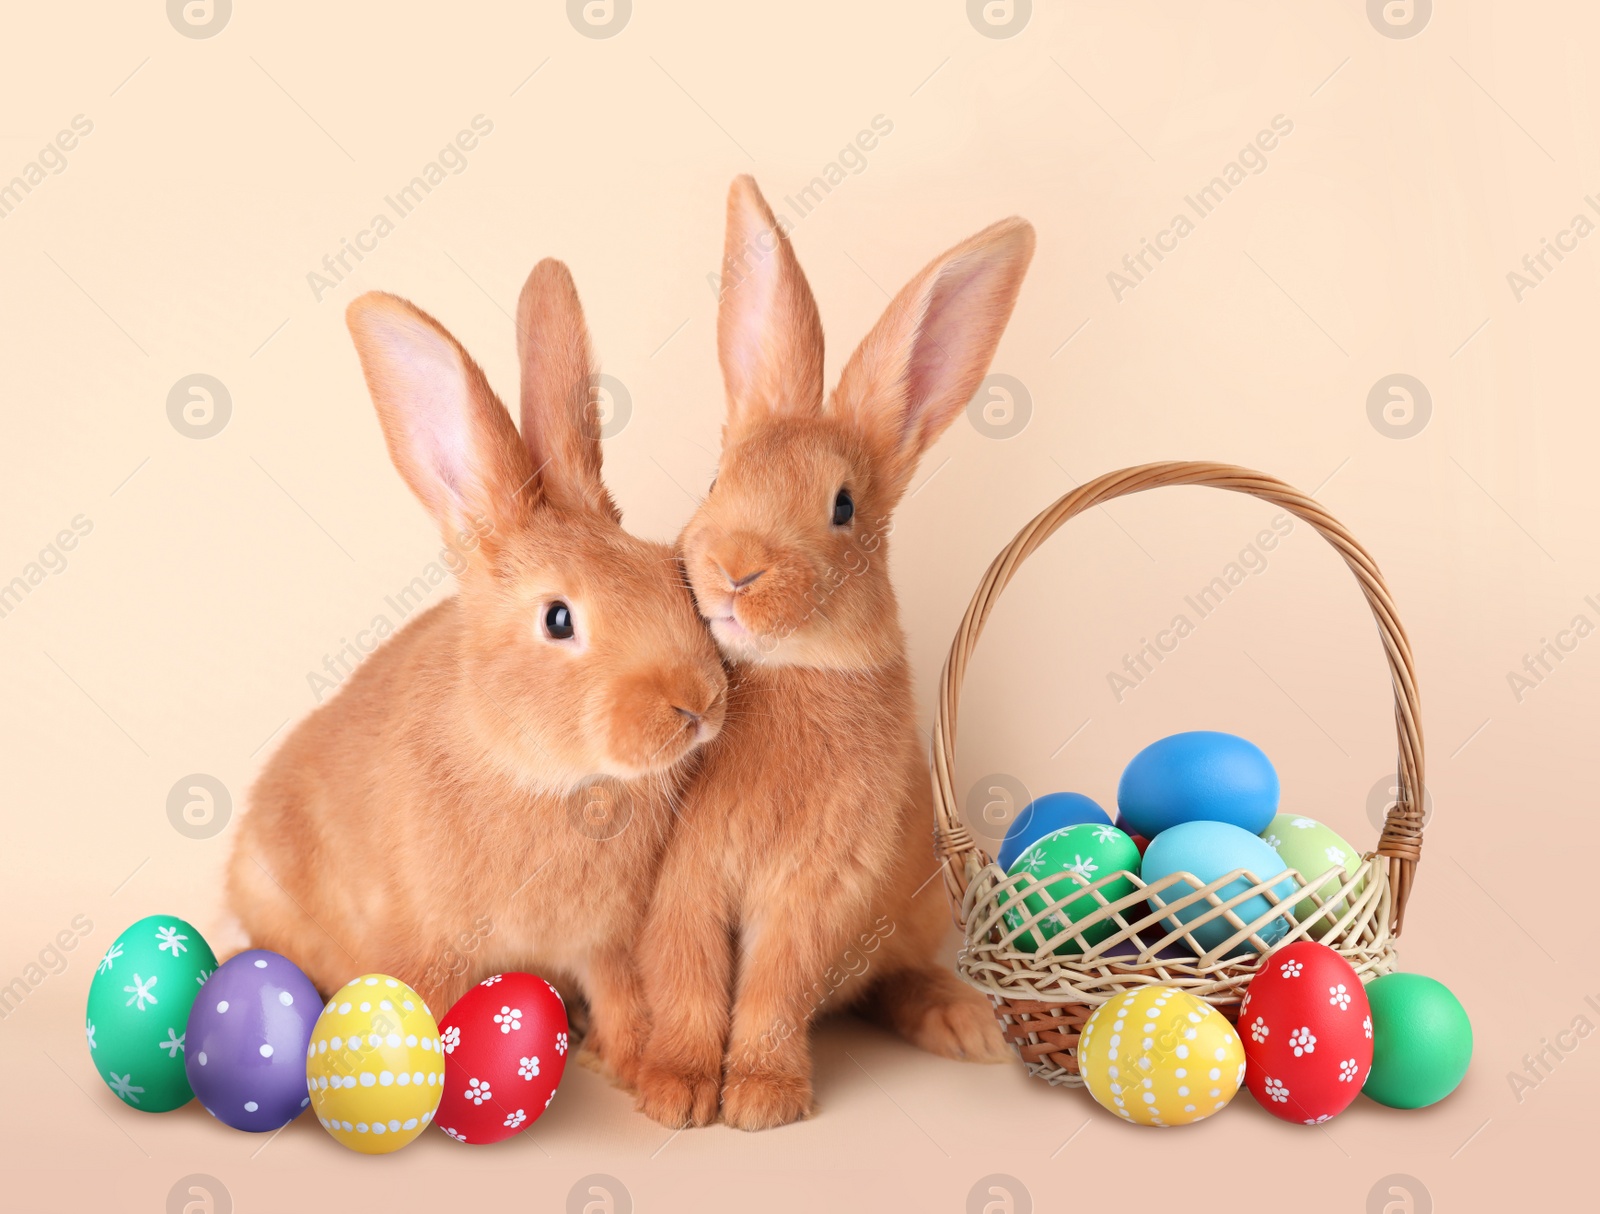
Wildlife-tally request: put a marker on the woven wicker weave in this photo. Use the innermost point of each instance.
(1043, 999)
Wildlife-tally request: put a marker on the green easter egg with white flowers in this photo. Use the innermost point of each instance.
(1088, 852)
(1311, 849)
(139, 1001)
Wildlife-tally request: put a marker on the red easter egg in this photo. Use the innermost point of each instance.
(1307, 1032)
(505, 1047)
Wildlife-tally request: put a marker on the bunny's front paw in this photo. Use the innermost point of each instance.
(763, 1100)
(678, 1098)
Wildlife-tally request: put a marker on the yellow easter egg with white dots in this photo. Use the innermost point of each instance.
(1160, 1057)
(374, 1068)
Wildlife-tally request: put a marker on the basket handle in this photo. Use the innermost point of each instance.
(1401, 839)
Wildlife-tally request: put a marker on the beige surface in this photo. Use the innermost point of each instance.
(1376, 240)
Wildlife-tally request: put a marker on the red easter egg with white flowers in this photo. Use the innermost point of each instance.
(505, 1047)
(1307, 1032)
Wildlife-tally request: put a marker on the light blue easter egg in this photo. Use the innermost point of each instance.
(1210, 851)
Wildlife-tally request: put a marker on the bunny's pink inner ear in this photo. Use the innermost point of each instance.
(449, 436)
(769, 336)
(923, 360)
(560, 418)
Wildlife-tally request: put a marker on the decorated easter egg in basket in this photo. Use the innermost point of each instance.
(1311, 849)
(374, 1067)
(138, 1014)
(1307, 1032)
(505, 1048)
(1087, 854)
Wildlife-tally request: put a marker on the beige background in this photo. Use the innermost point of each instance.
(220, 571)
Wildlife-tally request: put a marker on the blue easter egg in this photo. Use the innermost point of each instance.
(1045, 815)
(1200, 776)
(1210, 851)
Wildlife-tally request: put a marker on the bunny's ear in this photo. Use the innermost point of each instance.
(769, 337)
(925, 357)
(560, 423)
(450, 437)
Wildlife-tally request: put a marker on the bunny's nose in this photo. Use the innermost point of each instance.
(702, 724)
(739, 583)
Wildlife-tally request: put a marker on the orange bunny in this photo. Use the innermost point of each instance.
(801, 878)
(493, 787)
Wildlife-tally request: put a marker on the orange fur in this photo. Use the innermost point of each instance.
(436, 819)
(801, 879)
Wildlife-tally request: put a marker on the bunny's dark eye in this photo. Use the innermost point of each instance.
(844, 509)
(558, 622)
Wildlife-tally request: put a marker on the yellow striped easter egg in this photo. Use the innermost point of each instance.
(374, 1067)
(1160, 1057)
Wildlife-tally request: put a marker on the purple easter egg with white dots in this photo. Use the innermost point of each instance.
(249, 1029)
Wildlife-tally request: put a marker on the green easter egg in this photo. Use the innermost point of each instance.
(1088, 851)
(1311, 849)
(1421, 1041)
(139, 1002)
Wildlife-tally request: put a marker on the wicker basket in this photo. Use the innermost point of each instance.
(1043, 999)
